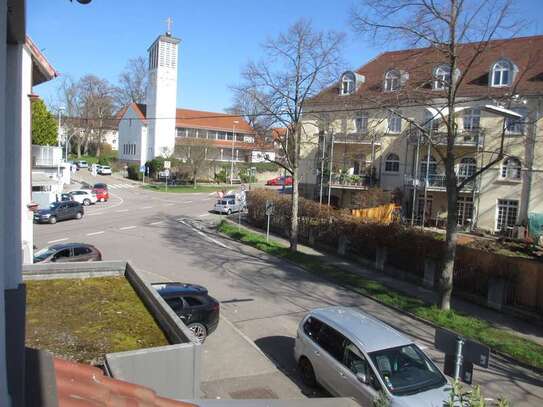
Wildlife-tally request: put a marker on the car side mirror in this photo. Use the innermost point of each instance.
(362, 378)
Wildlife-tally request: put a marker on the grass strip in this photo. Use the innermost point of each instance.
(497, 339)
(182, 188)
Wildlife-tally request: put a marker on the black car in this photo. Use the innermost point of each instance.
(59, 211)
(196, 308)
(67, 252)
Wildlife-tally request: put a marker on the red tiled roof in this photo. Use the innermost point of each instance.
(81, 385)
(211, 120)
(526, 53)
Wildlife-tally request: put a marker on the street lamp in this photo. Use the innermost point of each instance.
(232, 157)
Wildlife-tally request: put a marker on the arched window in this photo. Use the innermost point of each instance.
(432, 168)
(511, 168)
(392, 163)
(467, 167)
(502, 73)
(347, 83)
(442, 77)
(392, 80)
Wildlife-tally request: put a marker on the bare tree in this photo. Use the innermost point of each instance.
(132, 83)
(195, 154)
(296, 66)
(443, 25)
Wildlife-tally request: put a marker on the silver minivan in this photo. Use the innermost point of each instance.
(352, 354)
(228, 204)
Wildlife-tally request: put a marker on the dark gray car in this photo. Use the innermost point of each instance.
(67, 252)
(59, 211)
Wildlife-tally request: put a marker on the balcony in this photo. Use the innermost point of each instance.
(437, 182)
(356, 138)
(361, 182)
(464, 138)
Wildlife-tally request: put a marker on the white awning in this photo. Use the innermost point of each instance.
(502, 111)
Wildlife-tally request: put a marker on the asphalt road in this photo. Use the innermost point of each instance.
(168, 237)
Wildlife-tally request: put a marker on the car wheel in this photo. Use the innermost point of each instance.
(53, 220)
(78, 215)
(307, 372)
(199, 331)
(86, 202)
(229, 211)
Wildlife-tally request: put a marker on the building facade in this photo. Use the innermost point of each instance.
(384, 126)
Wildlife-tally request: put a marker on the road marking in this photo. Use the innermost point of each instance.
(205, 236)
(147, 207)
(95, 233)
(122, 210)
(157, 223)
(169, 204)
(127, 227)
(186, 202)
(94, 214)
(57, 240)
(203, 215)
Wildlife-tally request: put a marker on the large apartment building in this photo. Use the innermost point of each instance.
(365, 129)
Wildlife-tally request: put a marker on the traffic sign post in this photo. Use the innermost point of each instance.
(269, 212)
(142, 170)
(461, 354)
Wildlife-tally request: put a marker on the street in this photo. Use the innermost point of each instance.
(167, 236)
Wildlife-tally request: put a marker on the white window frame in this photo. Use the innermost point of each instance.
(442, 77)
(499, 68)
(467, 167)
(394, 162)
(393, 80)
(347, 83)
(394, 123)
(361, 122)
(507, 205)
(471, 119)
(515, 126)
(508, 169)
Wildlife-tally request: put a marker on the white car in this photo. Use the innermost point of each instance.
(103, 170)
(84, 197)
(352, 354)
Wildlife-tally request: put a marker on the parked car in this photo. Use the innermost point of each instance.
(84, 196)
(280, 181)
(102, 194)
(67, 252)
(66, 197)
(59, 211)
(228, 204)
(352, 354)
(100, 185)
(81, 164)
(103, 170)
(192, 303)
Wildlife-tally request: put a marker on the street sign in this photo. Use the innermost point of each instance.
(142, 168)
(167, 164)
(472, 351)
(269, 208)
(466, 370)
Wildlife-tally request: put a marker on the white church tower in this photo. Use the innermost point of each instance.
(161, 97)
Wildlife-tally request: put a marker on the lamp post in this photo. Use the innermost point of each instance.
(60, 109)
(232, 157)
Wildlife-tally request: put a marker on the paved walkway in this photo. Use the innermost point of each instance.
(531, 331)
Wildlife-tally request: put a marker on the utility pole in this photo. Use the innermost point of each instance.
(415, 180)
(427, 180)
(232, 157)
(330, 166)
(322, 166)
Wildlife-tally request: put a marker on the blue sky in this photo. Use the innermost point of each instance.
(218, 37)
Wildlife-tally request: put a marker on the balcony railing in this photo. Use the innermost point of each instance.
(360, 138)
(352, 181)
(465, 138)
(438, 182)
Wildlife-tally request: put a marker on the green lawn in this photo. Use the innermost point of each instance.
(183, 188)
(83, 319)
(477, 329)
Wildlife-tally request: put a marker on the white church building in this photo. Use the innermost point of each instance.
(151, 130)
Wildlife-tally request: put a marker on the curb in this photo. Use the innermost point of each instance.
(535, 369)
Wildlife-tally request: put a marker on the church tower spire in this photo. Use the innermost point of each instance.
(161, 94)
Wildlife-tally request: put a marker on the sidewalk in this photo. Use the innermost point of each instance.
(527, 330)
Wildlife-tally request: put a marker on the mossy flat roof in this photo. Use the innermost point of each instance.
(83, 319)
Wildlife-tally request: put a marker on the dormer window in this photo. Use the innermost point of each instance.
(502, 73)
(347, 83)
(442, 77)
(392, 80)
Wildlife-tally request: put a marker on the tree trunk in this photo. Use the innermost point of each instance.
(78, 147)
(194, 175)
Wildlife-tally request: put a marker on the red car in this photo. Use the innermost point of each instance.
(101, 192)
(280, 181)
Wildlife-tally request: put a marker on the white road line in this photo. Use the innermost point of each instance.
(57, 240)
(94, 214)
(169, 204)
(203, 215)
(127, 227)
(206, 236)
(157, 223)
(186, 202)
(122, 210)
(95, 233)
(147, 207)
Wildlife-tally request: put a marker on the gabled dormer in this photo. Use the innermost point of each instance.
(502, 73)
(350, 82)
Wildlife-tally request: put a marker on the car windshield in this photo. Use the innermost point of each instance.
(53, 205)
(406, 370)
(42, 254)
